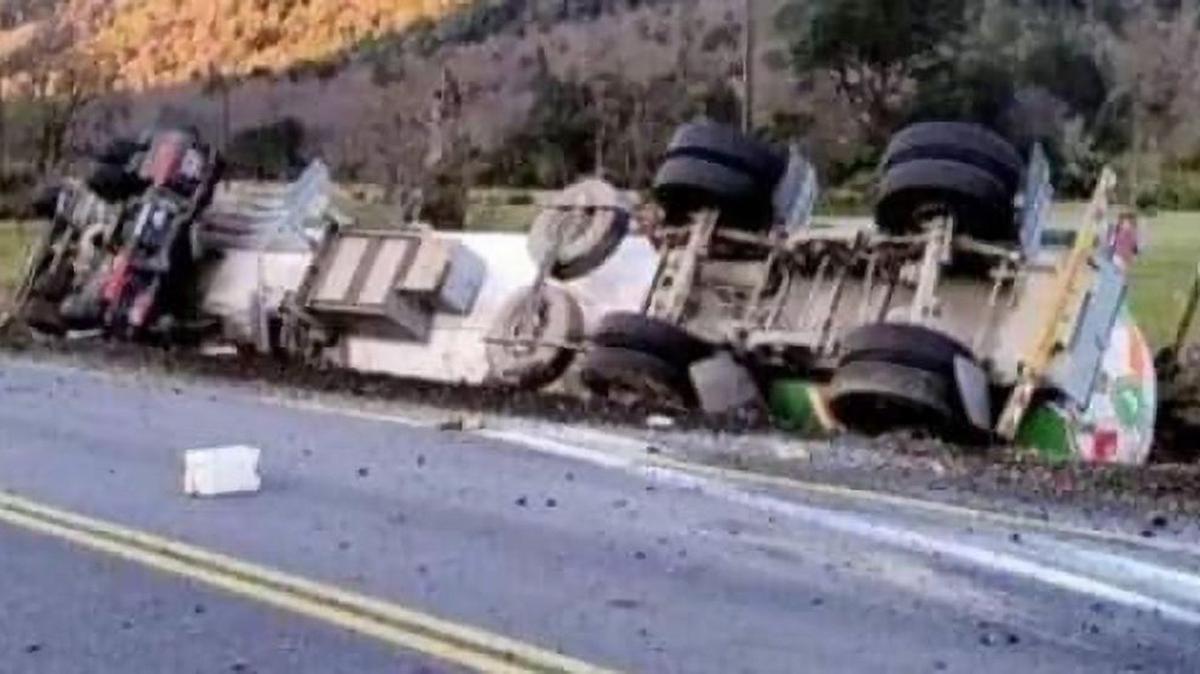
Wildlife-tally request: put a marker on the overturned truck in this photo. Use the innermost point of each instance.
(959, 310)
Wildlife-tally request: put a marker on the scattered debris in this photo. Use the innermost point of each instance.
(624, 603)
(218, 350)
(465, 423)
(221, 470)
(80, 335)
(659, 421)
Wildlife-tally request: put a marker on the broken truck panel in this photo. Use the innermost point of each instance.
(1116, 425)
(276, 218)
(1075, 371)
(1038, 195)
(391, 276)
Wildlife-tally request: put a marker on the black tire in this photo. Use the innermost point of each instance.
(704, 179)
(112, 183)
(894, 376)
(978, 201)
(684, 185)
(637, 376)
(903, 344)
(45, 201)
(875, 397)
(42, 315)
(729, 147)
(561, 320)
(575, 262)
(628, 330)
(957, 141)
(119, 151)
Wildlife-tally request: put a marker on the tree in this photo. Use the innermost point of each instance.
(62, 94)
(873, 48)
(1157, 71)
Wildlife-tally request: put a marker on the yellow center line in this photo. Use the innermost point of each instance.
(388, 622)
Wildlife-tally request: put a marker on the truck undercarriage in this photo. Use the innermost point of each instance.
(949, 314)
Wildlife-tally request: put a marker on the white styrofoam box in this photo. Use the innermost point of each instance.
(221, 470)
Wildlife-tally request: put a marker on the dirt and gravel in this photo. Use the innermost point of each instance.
(1162, 494)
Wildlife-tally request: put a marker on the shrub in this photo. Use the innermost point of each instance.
(1179, 190)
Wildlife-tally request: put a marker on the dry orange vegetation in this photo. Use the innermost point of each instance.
(167, 41)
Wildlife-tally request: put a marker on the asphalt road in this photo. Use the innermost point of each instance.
(623, 567)
(65, 611)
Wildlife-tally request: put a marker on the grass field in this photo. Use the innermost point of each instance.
(1162, 277)
(498, 209)
(15, 238)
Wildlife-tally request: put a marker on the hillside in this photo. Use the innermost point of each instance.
(358, 79)
(161, 43)
(548, 89)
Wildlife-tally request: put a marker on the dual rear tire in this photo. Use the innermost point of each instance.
(953, 169)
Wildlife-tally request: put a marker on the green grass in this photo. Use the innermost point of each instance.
(1161, 278)
(500, 209)
(15, 239)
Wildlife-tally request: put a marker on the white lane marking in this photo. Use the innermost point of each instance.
(1137, 570)
(622, 461)
(984, 558)
(636, 448)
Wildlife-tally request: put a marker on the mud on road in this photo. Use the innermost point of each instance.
(1156, 498)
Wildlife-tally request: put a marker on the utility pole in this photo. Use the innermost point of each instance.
(750, 48)
(4, 127)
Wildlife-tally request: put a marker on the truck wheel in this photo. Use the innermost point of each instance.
(592, 222)
(628, 330)
(703, 182)
(917, 190)
(634, 377)
(685, 184)
(45, 201)
(957, 141)
(43, 316)
(728, 146)
(894, 376)
(903, 344)
(874, 397)
(120, 151)
(112, 183)
(552, 315)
